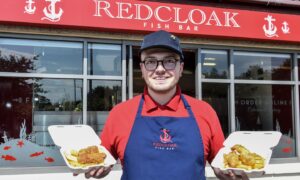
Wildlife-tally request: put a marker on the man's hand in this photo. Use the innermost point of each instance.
(230, 176)
(97, 172)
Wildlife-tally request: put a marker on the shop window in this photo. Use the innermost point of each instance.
(102, 97)
(217, 96)
(214, 64)
(39, 56)
(187, 81)
(262, 66)
(104, 59)
(267, 108)
(27, 107)
(138, 81)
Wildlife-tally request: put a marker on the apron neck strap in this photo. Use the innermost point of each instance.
(186, 105)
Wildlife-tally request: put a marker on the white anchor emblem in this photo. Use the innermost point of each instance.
(271, 30)
(285, 28)
(30, 9)
(50, 12)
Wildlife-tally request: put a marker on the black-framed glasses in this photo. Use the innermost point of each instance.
(169, 63)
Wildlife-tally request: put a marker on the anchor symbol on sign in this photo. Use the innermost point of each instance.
(50, 12)
(30, 9)
(271, 30)
(285, 29)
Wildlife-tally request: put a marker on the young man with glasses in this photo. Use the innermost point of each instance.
(162, 134)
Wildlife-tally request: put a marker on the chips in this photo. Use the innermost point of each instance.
(85, 157)
(241, 157)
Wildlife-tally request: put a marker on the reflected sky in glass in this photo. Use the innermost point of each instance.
(39, 56)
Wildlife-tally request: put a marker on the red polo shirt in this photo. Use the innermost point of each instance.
(118, 126)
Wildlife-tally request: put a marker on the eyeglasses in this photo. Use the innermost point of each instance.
(169, 63)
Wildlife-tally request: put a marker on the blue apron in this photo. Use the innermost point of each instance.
(164, 148)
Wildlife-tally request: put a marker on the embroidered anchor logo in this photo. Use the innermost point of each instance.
(271, 30)
(165, 137)
(50, 12)
(285, 29)
(30, 9)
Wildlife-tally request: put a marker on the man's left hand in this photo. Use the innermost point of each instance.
(231, 175)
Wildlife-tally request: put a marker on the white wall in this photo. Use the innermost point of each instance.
(284, 171)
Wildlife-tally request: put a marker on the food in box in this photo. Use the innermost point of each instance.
(241, 157)
(80, 147)
(248, 151)
(85, 157)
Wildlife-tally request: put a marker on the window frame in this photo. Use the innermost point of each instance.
(85, 77)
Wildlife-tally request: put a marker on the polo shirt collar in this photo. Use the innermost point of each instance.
(151, 105)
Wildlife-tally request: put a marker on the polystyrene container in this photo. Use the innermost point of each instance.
(259, 142)
(76, 137)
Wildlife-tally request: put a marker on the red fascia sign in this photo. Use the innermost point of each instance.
(135, 15)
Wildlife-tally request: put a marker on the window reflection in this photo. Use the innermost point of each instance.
(138, 81)
(16, 105)
(217, 96)
(28, 107)
(267, 108)
(57, 95)
(214, 64)
(102, 97)
(104, 59)
(187, 81)
(38, 56)
(262, 66)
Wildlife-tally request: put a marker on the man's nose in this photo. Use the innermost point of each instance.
(160, 66)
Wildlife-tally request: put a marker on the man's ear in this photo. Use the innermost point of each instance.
(181, 68)
(141, 67)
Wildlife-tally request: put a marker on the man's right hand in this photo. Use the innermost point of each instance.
(97, 172)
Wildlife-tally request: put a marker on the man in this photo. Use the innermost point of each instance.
(162, 134)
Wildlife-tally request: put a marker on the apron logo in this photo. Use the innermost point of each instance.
(165, 136)
(165, 142)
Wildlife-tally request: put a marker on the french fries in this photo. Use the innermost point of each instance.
(85, 157)
(241, 157)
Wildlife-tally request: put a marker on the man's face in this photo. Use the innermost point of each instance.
(161, 80)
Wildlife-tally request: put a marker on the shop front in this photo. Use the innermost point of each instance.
(69, 62)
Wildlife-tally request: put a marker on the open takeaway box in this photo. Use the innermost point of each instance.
(259, 142)
(76, 139)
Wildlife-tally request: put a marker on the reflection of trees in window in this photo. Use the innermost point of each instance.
(42, 103)
(215, 74)
(283, 72)
(255, 72)
(12, 61)
(102, 98)
(15, 93)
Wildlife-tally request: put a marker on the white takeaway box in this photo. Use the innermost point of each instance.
(259, 142)
(75, 137)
